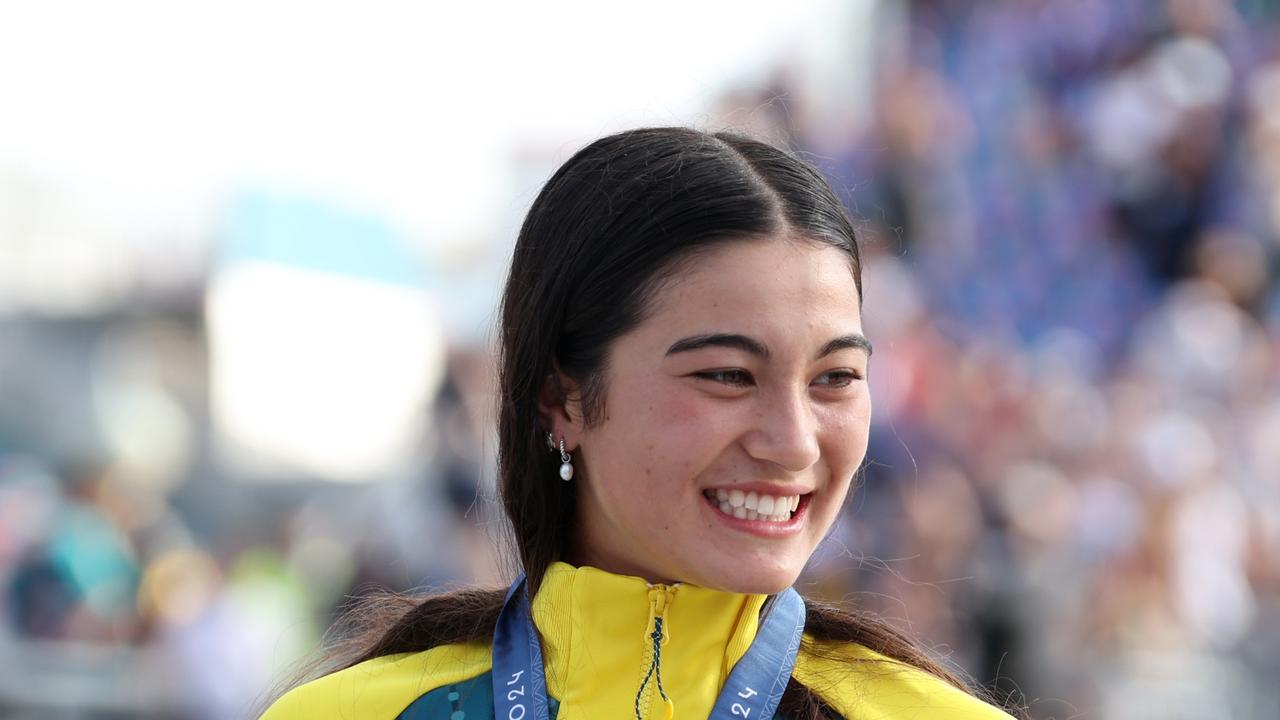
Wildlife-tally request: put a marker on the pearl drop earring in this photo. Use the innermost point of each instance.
(566, 467)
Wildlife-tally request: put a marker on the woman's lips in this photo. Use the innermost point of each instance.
(733, 508)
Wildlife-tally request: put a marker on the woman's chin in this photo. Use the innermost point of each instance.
(758, 581)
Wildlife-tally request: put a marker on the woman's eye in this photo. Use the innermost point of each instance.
(838, 378)
(732, 377)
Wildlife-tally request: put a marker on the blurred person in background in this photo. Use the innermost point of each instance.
(681, 328)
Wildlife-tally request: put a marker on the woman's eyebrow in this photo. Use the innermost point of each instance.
(755, 347)
(729, 340)
(855, 341)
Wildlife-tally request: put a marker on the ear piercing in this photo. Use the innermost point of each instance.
(566, 460)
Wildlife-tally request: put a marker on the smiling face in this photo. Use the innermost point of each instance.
(745, 377)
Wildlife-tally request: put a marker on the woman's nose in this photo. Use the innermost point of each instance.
(785, 431)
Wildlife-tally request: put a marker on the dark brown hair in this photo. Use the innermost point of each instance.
(608, 227)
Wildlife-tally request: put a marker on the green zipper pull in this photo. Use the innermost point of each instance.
(657, 633)
(659, 599)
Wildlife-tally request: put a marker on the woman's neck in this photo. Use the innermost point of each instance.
(577, 556)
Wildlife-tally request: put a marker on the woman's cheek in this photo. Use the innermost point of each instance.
(847, 428)
(672, 408)
(692, 430)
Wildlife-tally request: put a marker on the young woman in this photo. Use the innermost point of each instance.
(683, 408)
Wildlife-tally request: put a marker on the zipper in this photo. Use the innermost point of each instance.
(656, 635)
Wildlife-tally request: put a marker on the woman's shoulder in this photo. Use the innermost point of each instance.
(859, 682)
(385, 687)
(852, 679)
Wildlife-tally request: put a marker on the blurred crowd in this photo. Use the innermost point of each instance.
(1071, 221)
(143, 586)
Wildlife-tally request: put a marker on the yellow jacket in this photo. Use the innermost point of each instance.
(595, 629)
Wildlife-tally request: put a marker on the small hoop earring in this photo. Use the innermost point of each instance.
(566, 466)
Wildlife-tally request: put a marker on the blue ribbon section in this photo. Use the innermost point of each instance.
(752, 692)
(757, 682)
(519, 679)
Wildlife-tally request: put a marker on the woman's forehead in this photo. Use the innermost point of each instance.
(778, 288)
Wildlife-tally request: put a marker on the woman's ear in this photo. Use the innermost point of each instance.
(560, 408)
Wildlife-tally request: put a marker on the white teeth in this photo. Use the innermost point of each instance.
(753, 505)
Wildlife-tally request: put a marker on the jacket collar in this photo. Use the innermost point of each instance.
(597, 627)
